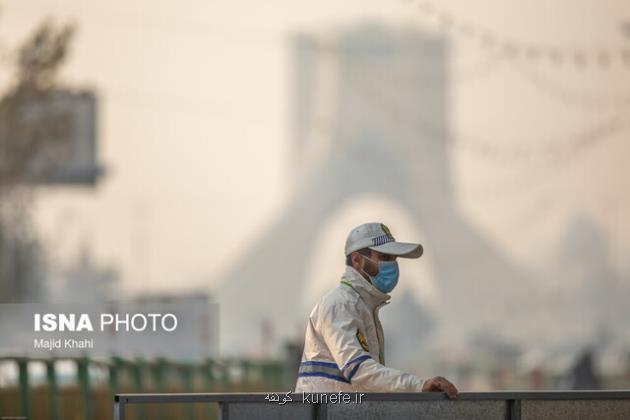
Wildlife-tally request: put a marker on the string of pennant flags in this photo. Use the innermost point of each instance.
(577, 97)
(375, 92)
(543, 151)
(547, 157)
(383, 88)
(555, 55)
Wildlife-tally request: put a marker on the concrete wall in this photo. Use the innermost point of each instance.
(564, 405)
(477, 408)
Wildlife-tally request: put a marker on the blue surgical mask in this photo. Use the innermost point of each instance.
(387, 277)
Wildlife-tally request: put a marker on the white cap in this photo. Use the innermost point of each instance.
(378, 237)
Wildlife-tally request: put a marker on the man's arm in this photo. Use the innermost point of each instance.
(339, 324)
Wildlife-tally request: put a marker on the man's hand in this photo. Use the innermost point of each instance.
(440, 384)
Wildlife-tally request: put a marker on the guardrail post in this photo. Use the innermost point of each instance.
(119, 408)
(245, 368)
(115, 366)
(136, 378)
(157, 372)
(266, 374)
(114, 370)
(24, 387)
(84, 385)
(225, 375)
(53, 390)
(186, 374)
(208, 373)
(274, 375)
(513, 410)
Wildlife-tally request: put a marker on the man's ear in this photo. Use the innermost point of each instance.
(356, 257)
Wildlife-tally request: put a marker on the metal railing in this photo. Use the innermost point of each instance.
(539, 405)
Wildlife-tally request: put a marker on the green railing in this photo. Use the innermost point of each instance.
(107, 377)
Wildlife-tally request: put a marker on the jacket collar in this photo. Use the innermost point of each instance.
(370, 294)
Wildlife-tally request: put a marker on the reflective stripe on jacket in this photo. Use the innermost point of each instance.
(344, 344)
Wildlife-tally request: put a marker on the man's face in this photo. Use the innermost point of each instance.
(370, 266)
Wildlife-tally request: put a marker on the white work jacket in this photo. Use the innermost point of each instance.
(344, 343)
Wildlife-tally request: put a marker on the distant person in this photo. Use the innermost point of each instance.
(344, 343)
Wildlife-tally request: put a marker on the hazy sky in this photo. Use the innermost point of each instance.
(194, 117)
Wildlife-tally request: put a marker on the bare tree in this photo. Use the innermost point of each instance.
(25, 135)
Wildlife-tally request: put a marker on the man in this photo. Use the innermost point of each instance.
(343, 347)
